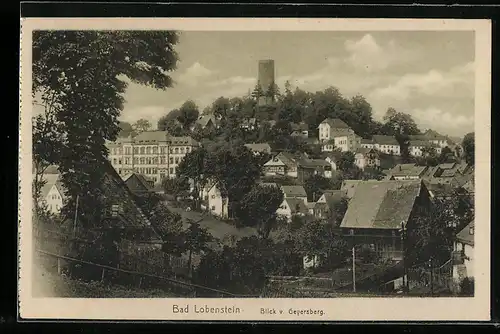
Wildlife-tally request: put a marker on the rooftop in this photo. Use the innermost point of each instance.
(294, 191)
(296, 205)
(336, 123)
(151, 137)
(408, 170)
(466, 235)
(385, 140)
(381, 204)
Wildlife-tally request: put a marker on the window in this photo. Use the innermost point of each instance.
(171, 150)
(187, 149)
(174, 170)
(136, 161)
(114, 161)
(176, 160)
(143, 161)
(57, 207)
(154, 170)
(155, 150)
(127, 150)
(162, 160)
(136, 150)
(119, 161)
(171, 170)
(162, 176)
(471, 230)
(171, 161)
(213, 207)
(142, 150)
(176, 150)
(213, 196)
(120, 151)
(182, 150)
(155, 161)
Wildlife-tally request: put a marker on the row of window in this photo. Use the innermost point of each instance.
(54, 196)
(150, 150)
(151, 172)
(147, 161)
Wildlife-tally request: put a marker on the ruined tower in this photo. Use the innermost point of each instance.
(266, 81)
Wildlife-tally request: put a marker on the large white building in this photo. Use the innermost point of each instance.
(154, 154)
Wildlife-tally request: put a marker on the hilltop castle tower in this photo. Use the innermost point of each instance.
(266, 80)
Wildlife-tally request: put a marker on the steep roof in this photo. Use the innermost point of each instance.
(259, 147)
(335, 123)
(50, 181)
(381, 204)
(151, 137)
(141, 178)
(205, 119)
(294, 191)
(465, 235)
(296, 205)
(385, 140)
(334, 196)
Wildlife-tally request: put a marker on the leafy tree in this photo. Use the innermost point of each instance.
(346, 161)
(429, 157)
(467, 286)
(141, 125)
(315, 185)
(126, 130)
(196, 239)
(446, 155)
(178, 186)
(401, 126)
(361, 114)
(258, 208)
(82, 73)
(188, 114)
(337, 212)
(192, 166)
(469, 146)
(257, 92)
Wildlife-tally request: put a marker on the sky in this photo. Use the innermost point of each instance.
(429, 75)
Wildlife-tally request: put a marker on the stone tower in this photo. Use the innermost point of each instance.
(266, 80)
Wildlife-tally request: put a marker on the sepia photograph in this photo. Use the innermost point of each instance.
(210, 165)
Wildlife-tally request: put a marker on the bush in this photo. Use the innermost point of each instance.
(467, 286)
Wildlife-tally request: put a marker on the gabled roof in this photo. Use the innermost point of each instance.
(336, 123)
(151, 137)
(367, 141)
(334, 196)
(294, 191)
(381, 204)
(364, 150)
(465, 235)
(185, 140)
(433, 135)
(205, 119)
(385, 140)
(259, 147)
(143, 180)
(408, 170)
(350, 187)
(296, 205)
(50, 181)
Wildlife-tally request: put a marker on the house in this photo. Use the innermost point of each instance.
(259, 148)
(207, 122)
(213, 201)
(379, 210)
(434, 138)
(138, 183)
(335, 133)
(463, 253)
(291, 207)
(407, 172)
(367, 157)
(309, 167)
(283, 164)
(294, 192)
(367, 143)
(417, 148)
(301, 129)
(52, 193)
(331, 158)
(327, 201)
(386, 144)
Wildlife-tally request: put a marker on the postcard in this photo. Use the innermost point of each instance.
(254, 169)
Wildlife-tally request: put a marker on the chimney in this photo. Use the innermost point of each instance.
(400, 168)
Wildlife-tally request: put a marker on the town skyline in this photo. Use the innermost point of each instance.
(429, 75)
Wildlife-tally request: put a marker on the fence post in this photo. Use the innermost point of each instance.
(102, 274)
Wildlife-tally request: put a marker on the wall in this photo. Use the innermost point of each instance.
(54, 200)
(216, 204)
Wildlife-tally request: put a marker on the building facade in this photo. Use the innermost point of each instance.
(154, 154)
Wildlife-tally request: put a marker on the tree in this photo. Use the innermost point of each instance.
(258, 208)
(141, 125)
(196, 239)
(126, 130)
(82, 73)
(429, 157)
(177, 187)
(346, 161)
(469, 148)
(315, 185)
(401, 126)
(446, 155)
(337, 212)
(188, 114)
(257, 92)
(192, 166)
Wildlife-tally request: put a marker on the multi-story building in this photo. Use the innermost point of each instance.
(154, 154)
(335, 133)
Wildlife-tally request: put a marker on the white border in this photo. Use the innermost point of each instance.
(345, 309)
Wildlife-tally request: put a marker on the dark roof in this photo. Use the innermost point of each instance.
(431, 134)
(296, 205)
(294, 191)
(151, 137)
(143, 180)
(183, 141)
(313, 163)
(465, 235)
(438, 188)
(381, 204)
(334, 196)
(367, 141)
(205, 119)
(336, 123)
(385, 140)
(408, 170)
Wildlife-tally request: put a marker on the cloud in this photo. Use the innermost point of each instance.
(432, 83)
(194, 73)
(449, 121)
(236, 80)
(369, 55)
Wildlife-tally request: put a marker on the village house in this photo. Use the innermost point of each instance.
(325, 204)
(138, 184)
(367, 143)
(283, 164)
(367, 157)
(331, 158)
(213, 201)
(379, 211)
(463, 253)
(294, 192)
(249, 123)
(417, 148)
(386, 144)
(406, 172)
(207, 122)
(434, 138)
(52, 193)
(335, 133)
(309, 167)
(259, 148)
(291, 207)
